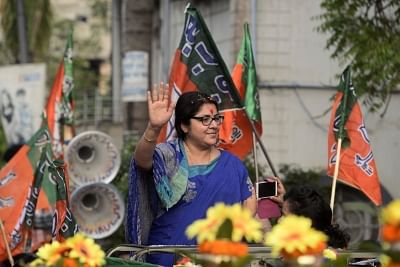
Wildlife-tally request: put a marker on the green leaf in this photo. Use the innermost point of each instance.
(365, 34)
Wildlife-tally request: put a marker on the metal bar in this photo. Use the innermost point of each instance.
(22, 37)
(116, 60)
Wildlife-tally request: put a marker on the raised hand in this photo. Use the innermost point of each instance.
(159, 105)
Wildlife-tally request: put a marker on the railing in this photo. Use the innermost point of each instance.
(262, 255)
(91, 108)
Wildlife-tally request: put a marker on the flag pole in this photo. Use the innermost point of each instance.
(255, 133)
(3, 233)
(264, 150)
(255, 163)
(255, 156)
(341, 133)
(336, 173)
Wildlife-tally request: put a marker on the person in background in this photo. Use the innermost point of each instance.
(306, 201)
(269, 209)
(181, 178)
(9, 118)
(24, 113)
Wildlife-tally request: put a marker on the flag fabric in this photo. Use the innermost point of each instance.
(236, 133)
(20, 182)
(59, 107)
(64, 224)
(198, 65)
(357, 166)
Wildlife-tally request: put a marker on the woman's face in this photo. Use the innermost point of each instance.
(201, 134)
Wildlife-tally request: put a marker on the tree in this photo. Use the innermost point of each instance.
(39, 17)
(47, 36)
(365, 33)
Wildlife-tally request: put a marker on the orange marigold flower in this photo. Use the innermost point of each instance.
(391, 233)
(68, 262)
(52, 253)
(318, 249)
(224, 247)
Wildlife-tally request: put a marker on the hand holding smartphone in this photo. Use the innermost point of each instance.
(266, 189)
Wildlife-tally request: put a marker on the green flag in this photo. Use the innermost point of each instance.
(59, 107)
(64, 224)
(236, 133)
(357, 166)
(198, 65)
(21, 179)
(249, 77)
(204, 67)
(345, 107)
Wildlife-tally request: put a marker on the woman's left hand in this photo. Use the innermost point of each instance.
(280, 190)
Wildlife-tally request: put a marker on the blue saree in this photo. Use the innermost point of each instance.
(164, 201)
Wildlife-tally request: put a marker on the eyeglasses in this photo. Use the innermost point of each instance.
(206, 120)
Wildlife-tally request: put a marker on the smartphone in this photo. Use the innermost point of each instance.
(266, 189)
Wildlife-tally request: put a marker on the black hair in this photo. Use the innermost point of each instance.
(306, 201)
(187, 106)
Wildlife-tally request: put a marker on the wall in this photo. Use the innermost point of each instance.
(289, 51)
(296, 133)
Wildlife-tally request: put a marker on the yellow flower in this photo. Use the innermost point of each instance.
(86, 250)
(219, 211)
(329, 254)
(391, 213)
(244, 224)
(293, 236)
(206, 229)
(52, 253)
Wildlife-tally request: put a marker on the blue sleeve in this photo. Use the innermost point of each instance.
(245, 183)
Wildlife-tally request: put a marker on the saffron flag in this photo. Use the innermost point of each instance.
(64, 224)
(59, 107)
(198, 65)
(357, 164)
(240, 140)
(20, 182)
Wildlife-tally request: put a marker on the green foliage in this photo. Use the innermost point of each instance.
(293, 175)
(47, 37)
(249, 163)
(85, 49)
(121, 180)
(365, 33)
(38, 16)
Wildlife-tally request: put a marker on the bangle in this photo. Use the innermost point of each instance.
(148, 139)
